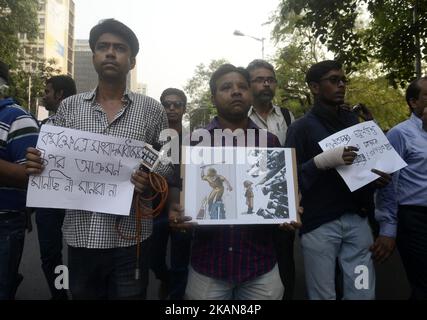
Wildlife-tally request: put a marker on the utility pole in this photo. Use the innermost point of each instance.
(29, 93)
(417, 41)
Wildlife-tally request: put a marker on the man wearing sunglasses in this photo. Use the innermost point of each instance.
(174, 280)
(334, 223)
(275, 119)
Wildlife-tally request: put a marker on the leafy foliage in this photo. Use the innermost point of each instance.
(20, 16)
(21, 80)
(368, 85)
(357, 31)
(200, 108)
(16, 16)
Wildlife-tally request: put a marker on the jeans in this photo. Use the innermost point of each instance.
(101, 274)
(348, 239)
(180, 260)
(412, 245)
(284, 245)
(12, 236)
(266, 287)
(160, 238)
(49, 224)
(176, 277)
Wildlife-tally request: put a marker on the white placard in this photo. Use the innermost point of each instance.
(85, 171)
(224, 186)
(375, 152)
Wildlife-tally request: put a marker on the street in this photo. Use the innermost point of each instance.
(391, 279)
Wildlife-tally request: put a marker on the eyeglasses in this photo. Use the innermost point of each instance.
(176, 104)
(336, 80)
(262, 80)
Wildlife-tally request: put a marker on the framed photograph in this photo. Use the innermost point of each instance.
(224, 186)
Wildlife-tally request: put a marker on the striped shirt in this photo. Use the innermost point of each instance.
(18, 131)
(234, 253)
(141, 118)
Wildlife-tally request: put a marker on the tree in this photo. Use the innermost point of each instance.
(21, 79)
(368, 85)
(20, 17)
(387, 104)
(393, 32)
(200, 108)
(292, 62)
(16, 16)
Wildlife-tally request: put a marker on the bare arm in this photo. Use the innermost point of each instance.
(13, 175)
(227, 183)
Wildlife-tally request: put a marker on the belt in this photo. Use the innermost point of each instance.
(413, 208)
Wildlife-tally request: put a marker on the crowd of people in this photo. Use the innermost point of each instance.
(227, 262)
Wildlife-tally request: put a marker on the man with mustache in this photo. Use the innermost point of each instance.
(334, 223)
(402, 206)
(275, 119)
(232, 262)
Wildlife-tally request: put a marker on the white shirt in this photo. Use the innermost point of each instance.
(276, 123)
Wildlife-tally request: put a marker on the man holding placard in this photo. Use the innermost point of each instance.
(334, 224)
(102, 248)
(232, 261)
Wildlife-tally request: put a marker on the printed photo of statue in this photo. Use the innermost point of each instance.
(249, 195)
(214, 201)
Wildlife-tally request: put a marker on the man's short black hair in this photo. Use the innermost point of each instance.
(413, 90)
(258, 63)
(173, 91)
(224, 69)
(64, 83)
(318, 70)
(4, 71)
(117, 28)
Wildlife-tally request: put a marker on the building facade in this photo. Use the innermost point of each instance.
(56, 36)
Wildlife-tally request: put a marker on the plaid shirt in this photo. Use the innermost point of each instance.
(234, 253)
(141, 118)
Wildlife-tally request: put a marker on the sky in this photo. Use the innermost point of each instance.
(177, 35)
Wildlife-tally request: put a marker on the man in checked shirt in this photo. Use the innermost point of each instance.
(232, 262)
(101, 262)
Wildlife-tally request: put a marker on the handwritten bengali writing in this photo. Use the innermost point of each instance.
(344, 139)
(86, 187)
(370, 143)
(98, 188)
(366, 132)
(58, 162)
(371, 152)
(64, 141)
(360, 159)
(94, 167)
(51, 183)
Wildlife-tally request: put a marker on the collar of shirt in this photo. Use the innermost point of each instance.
(6, 102)
(214, 124)
(417, 122)
(275, 109)
(128, 95)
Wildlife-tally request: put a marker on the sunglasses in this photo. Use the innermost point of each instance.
(176, 104)
(336, 80)
(262, 80)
